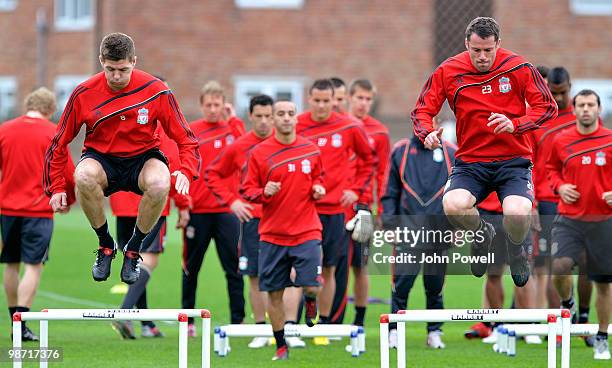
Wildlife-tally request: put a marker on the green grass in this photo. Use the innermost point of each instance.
(95, 344)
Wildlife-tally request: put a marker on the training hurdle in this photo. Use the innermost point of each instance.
(355, 333)
(180, 315)
(508, 334)
(482, 315)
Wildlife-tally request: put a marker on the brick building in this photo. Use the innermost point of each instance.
(280, 46)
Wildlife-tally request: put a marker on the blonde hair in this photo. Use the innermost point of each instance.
(212, 88)
(41, 100)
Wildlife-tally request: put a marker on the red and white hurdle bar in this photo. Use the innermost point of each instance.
(483, 315)
(508, 334)
(180, 315)
(354, 333)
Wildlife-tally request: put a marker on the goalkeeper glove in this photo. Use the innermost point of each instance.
(361, 225)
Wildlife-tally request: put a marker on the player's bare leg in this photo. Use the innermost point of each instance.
(326, 297)
(563, 281)
(90, 180)
(257, 299)
(604, 309)
(10, 281)
(361, 285)
(292, 299)
(517, 220)
(459, 207)
(276, 311)
(29, 284)
(20, 293)
(154, 181)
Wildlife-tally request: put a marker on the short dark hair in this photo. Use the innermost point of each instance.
(364, 84)
(484, 27)
(262, 100)
(543, 70)
(558, 75)
(586, 92)
(322, 85)
(117, 46)
(337, 82)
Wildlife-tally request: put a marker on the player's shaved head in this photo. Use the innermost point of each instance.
(285, 105)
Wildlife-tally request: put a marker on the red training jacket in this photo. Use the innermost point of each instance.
(290, 216)
(542, 139)
(120, 123)
(585, 161)
(231, 162)
(23, 142)
(337, 138)
(473, 96)
(212, 139)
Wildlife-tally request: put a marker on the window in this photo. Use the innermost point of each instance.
(8, 93)
(73, 15)
(591, 7)
(270, 4)
(8, 5)
(285, 88)
(63, 86)
(603, 87)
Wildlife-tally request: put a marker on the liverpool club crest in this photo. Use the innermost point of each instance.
(143, 116)
(504, 85)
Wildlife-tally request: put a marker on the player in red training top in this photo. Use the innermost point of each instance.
(361, 97)
(26, 218)
(285, 174)
(211, 217)
(487, 87)
(121, 108)
(230, 162)
(579, 170)
(338, 137)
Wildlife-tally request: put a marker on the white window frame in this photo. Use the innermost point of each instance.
(64, 23)
(8, 97)
(603, 87)
(8, 5)
(269, 85)
(269, 4)
(63, 87)
(591, 7)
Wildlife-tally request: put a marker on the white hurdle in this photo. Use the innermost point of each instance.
(223, 333)
(515, 331)
(180, 315)
(483, 315)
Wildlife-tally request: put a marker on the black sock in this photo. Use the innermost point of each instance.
(323, 319)
(12, 311)
(601, 335)
(488, 324)
(568, 304)
(290, 323)
(142, 304)
(136, 289)
(359, 315)
(279, 336)
(22, 309)
(261, 323)
(133, 245)
(583, 315)
(104, 237)
(190, 320)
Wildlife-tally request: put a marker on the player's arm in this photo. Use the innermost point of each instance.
(542, 106)
(554, 167)
(252, 187)
(55, 183)
(367, 161)
(428, 105)
(317, 175)
(177, 128)
(383, 151)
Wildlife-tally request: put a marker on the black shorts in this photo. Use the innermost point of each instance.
(547, 211)
(152, 243)
(248, 247)
(335, 239)
(571, 237)
(360, 253)
(509, 177)
(275, 262)
(122, 172)
(25, 239)
(499, 245)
